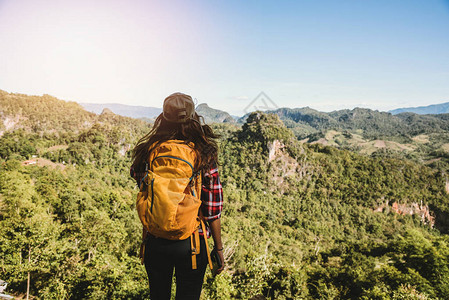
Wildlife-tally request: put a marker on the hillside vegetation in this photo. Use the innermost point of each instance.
(301, 220)
(420, 138)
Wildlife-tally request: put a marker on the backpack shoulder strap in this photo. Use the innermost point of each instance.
(203, 228)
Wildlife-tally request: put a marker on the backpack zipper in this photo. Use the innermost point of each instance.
(152, 196)
(178, 158)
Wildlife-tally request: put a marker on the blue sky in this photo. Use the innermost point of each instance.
(326, 55)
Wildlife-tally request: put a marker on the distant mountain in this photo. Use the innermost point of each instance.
(424, 110)
(212, 115)
(123, 109)
(373, 123)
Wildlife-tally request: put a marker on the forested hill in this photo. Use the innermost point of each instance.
(212, 115)
(372, 123)
(41, 113)
(49, 114)
(301, 220)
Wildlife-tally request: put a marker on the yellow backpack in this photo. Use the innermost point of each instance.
(169, 196)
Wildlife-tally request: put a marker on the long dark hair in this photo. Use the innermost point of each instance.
(201, 135)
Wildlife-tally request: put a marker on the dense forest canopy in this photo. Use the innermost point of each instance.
(302, 219)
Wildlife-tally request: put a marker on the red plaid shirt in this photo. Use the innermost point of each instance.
(211, 193)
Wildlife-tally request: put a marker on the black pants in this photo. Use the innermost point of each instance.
(162, 256)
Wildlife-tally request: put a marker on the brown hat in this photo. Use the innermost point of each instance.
(178, 108)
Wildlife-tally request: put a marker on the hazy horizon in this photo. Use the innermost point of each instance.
(322, 110)
(231, 113)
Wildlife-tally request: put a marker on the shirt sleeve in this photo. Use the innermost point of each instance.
(211, 195)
